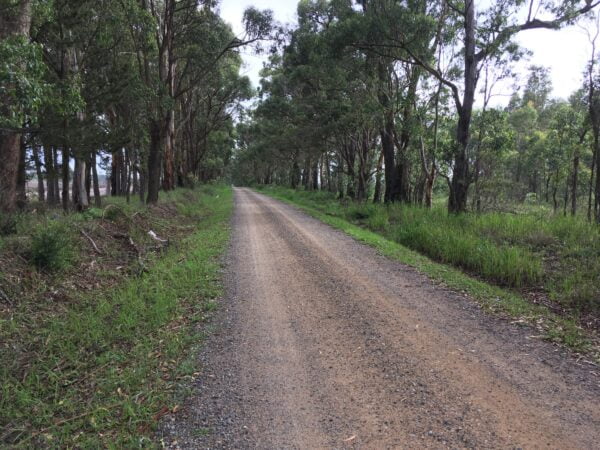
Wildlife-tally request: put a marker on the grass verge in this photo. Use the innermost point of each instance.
(492, 298)
(101, 369)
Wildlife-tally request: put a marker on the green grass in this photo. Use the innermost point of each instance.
(417, 237)
(100, 370)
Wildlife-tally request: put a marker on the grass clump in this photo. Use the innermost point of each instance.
(51, 246)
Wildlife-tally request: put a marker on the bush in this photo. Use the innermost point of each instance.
(8, 225)
(51, 246)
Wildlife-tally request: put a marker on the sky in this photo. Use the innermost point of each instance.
(565, 52)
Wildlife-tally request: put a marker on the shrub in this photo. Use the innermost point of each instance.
(8, 224)
(51, 246)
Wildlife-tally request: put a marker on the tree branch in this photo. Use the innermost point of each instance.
(531, 24)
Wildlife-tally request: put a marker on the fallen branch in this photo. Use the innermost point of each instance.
(89, 238)
(154, 236)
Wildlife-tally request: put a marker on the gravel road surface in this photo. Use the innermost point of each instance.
(320, 342)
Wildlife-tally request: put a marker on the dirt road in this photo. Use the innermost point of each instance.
(322, 343)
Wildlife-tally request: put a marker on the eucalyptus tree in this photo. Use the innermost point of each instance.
(479, 38)
(174, 52)
(20, 72)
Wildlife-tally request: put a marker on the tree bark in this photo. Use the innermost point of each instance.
(22, 175)
(124, 173)
(597, 193)
(39, 174)
(65, 178)
(154, 162)
(10, 144)
(459, 186)
(56, 178)
(50, 175)
(591, 185)
(80, 197)
(574, 182)
(315, 176)
(88, 177)
(95, 182)
(378, 174)
(51, 192)
(15, 20)
(387, 145)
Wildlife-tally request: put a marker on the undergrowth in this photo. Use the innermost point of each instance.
(100, 369)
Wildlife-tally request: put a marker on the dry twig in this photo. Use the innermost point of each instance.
(100, 252)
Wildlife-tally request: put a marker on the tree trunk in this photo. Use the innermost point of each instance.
(143, 183)
(387, 145)
(65, 178)
(15, 20)
(88, 177)
(340, 178)
(574, 182)
(10, 144)
(566, 198)
(321, 173)
(55, 174)
(378, 174)
(168, 145)
(74, 185)
(295, 175)
(597, 193)
(114, 174)
(128, 165)
(476, 171)
(591, 184)
(39, 174)
(402, 188)
(80, 198)
(134, 169)
(50, 175)
(124, 172)
(554, 192)
(22, 175)
(429, 182)
(459, 187)
(154, 162)
(95, 182)
(330, 186)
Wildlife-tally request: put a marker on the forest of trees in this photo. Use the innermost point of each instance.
(373, 99)
(147, 90)
(395, 100)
